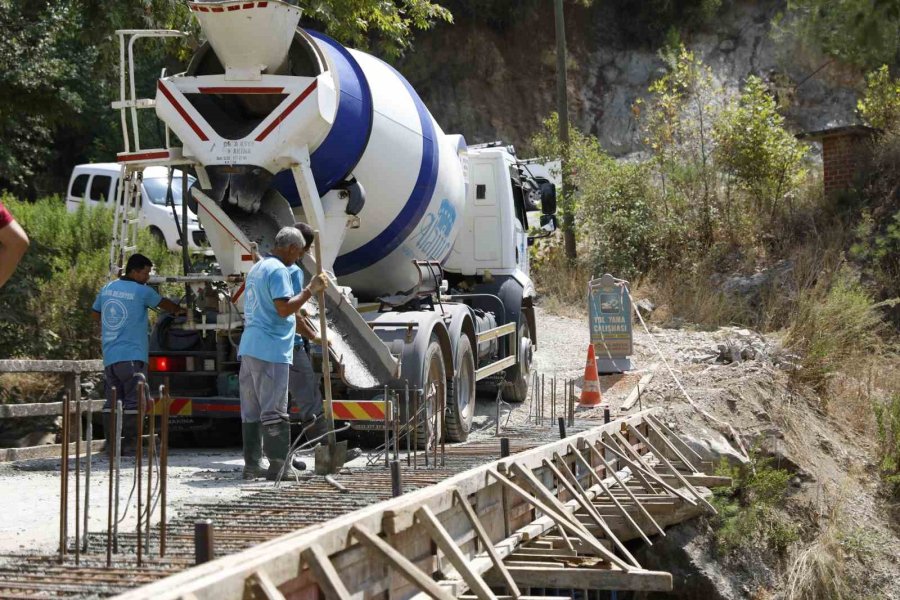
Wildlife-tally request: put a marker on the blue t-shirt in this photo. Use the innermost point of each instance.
(297, 281)
(267, 335)
(123, 305)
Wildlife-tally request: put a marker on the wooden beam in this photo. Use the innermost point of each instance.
(635, 394)
(411, 572)
(454, 554)
(622, 485)
(668, 443)
(47, 451)
(687, 449)
(43, 409)
(260, 587)
(50, 366)
(326, 575)
(487, 544)
(673, 470)
(646, 470)
(590, 579)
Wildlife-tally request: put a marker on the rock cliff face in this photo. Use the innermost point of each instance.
(499, 83)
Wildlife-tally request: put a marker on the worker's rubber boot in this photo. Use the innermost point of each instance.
(251, 434)
(276, 443)
(129, 434)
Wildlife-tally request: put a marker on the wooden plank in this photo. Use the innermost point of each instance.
(43, 409)
(50, 366)
(642, 467)
(401, 563)
(687, 449)
(589, 579)
(453, 553)
(622, 486)
(638, 389)
(260, 587)
(326, 575)
(47, 451)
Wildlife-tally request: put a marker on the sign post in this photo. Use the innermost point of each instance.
(609, 317)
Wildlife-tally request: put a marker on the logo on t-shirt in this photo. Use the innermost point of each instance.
(251, 302)
(114, 314)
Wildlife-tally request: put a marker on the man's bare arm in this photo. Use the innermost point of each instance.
(288, 306)
(169, 306)
(13, 244)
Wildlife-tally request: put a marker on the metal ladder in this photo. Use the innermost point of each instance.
(126, 218)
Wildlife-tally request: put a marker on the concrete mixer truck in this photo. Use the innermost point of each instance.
(425, 237)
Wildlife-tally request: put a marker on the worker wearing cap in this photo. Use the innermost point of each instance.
(266, 352)
(121, 310)
(304, 382)
(13, 244)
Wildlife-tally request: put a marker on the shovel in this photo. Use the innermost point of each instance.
(331, 457)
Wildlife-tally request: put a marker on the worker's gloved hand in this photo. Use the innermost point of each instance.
(318, 284)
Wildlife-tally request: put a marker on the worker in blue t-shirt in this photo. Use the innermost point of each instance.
(266, 351)
(121, 311)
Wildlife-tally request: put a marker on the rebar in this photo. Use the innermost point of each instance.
(117, 458)
(562, 427)
(396, 479)
(204, 541)
(139, 465)
(151, 455)
(64, 480)
(387, 431)
(109, 433)
(77, 478)
(163, 466)
(406, 407)
(87, 476)
(504, 447)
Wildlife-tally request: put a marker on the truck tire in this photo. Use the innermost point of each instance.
(158, 236)
(461, 393)
(434, 385)
(516, 389)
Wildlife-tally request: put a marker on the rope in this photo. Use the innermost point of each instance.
(722, 426)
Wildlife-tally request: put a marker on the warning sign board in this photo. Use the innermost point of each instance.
(609, 315)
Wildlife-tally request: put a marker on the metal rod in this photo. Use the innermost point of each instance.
(387, 430)
(151, 454)
(443, 428)
(606, 414)
(415, 429)
(77, 476)
(396, 479)
(64, 479)
(87, 476)
(204, 541)
(109, 433)
(395, 419)
(504, 447)
(117, 459)
(572, 403)
(540, 422)
(562, 427)
(163, 466)
(408, 432)
(139, 466)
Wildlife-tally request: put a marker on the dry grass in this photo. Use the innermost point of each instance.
(29, 387)
(819, 571)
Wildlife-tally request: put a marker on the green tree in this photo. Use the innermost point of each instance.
(880, 104)
(865, 33)
(677, 124)
(754, 148)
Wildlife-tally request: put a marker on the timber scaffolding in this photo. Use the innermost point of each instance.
(550, 520)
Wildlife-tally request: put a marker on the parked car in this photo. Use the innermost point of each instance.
(96, 184)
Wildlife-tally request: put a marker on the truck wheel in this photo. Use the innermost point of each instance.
(434, 385)
(461, 394)
(516, 389)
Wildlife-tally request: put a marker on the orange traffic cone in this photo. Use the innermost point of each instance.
(590, 391)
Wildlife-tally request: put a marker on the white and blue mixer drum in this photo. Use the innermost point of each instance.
(413, 174)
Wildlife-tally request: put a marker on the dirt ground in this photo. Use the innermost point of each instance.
(732, 374)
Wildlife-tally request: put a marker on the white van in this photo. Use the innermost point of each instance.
(95, 184)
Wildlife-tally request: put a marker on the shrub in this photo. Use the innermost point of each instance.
(45, 309)
(836, 322)
(749, 509)
(754, 148)
(887, 416)
(880, 104)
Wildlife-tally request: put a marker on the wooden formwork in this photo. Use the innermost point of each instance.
(552, 518)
